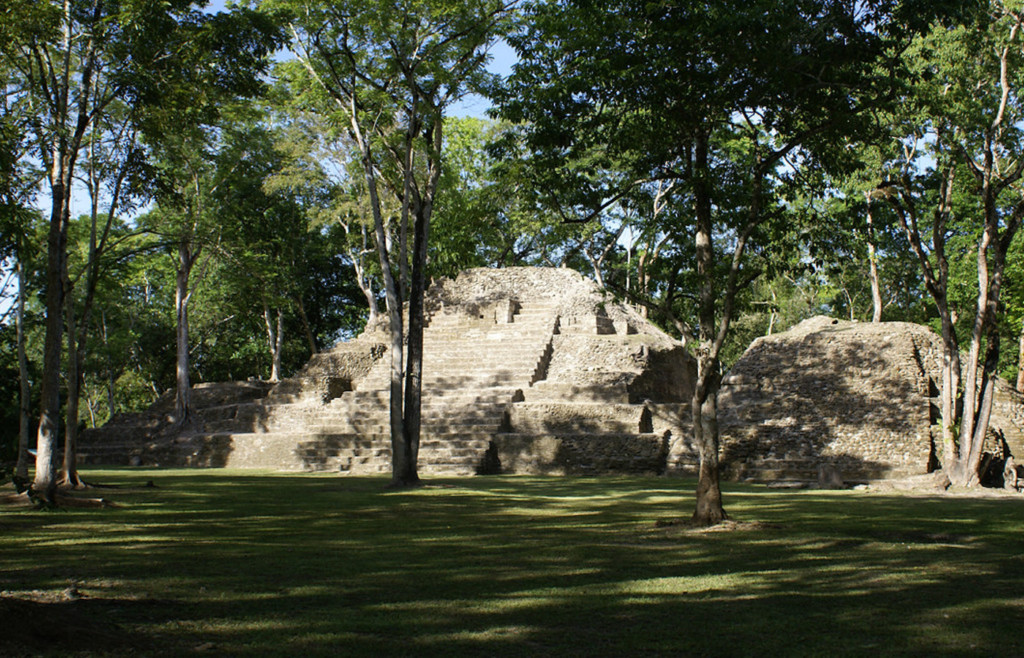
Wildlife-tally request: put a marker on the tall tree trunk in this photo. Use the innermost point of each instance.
(364, 280)
(275, 340)
(704, 404)
(986, 397)
(406, 452)
(111, 405)
(709, 510)
(876, 288)
(45, 483)
(414, 366)
(306, 327)
(24, 402)
(393, 293)
(1020, 361)
(183, 393)
(67, 134)
(949, 394)
(74, 378)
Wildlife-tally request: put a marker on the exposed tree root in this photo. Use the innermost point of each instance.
(61, 499)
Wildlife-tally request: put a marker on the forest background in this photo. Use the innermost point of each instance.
(208, 180)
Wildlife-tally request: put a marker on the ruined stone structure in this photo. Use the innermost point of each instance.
(534, 370)
(857, 399)
(526, 370)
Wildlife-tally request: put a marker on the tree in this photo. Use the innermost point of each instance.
(17, 180)
(318, 167)
(225, 55)
(387, 72)
(726, 100)
(72, 59)
(954, 183)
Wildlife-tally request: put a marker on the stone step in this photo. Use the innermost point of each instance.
(500, 380)
(311, 451)
(427, 438)
(579, 453)
(456, 428)
(473, 356)
(579, 417)
(546, 389)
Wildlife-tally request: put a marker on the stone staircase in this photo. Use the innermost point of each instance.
(568, 424)
(526, 370)
(472, 368)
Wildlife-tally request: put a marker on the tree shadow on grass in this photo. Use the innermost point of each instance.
(252, 565)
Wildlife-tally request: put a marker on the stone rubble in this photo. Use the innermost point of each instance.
(833, 401)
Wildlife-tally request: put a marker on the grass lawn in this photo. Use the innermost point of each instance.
(236, 563)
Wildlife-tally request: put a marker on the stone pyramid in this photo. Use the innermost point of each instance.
(526, 370)
(860, 398)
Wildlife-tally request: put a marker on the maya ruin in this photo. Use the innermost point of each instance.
(535, 370)
(527, 370)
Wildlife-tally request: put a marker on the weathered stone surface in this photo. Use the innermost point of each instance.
(859, 398)
(527, 370)
(533, 370)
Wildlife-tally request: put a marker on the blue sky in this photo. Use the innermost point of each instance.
(502, 59)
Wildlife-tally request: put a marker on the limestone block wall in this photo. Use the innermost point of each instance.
(1008, 419)
(573, 454)
(329, 374)
(656, 370)
(855, 396)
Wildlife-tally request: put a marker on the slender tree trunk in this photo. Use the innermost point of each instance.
(74, 378)
(986, 396)
(63, 154)
(414, 367)
(363, 279)
(111, 406)
(1020, 361)
(595, 265)
(78, 330)
(45, 483)
(971, 386)
(876, 289)
(704, 404)
(393, 292)
(949, 394)
(306, 327)
(275, 340)
(366, 287)
(182, 400)
(709, 510)
(965, 471)
(24, 402)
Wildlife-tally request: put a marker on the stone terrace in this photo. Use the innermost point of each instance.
(526, 370)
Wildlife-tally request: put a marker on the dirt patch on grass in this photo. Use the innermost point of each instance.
(65, 498)
(678, 528)
(933, 484)
(685, 525)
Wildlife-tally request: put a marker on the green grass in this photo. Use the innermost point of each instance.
(232, 563)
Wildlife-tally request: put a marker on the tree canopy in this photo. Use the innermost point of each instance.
(730, 167)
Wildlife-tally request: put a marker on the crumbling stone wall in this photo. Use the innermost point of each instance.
(854, 396)
(328, 375)
(859, 397)
(574, 454)
(1008, 419)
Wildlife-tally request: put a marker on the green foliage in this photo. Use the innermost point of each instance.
(622, 104)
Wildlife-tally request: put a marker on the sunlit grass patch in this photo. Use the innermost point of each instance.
(249, 563)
